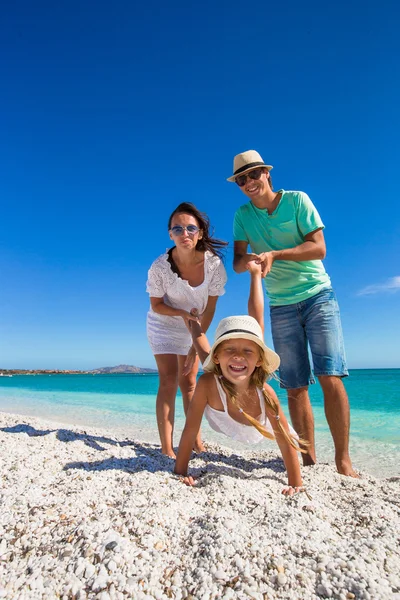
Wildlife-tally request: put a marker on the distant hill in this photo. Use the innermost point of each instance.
(122, 369)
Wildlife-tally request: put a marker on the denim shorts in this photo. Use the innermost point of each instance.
(312, 324)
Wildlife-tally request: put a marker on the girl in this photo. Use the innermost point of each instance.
(233, 394)
(190, 274)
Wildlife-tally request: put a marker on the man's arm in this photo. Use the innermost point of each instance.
(313, 248)
(241, 257)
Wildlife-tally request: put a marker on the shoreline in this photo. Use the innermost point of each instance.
(91, 514)
(379, 458)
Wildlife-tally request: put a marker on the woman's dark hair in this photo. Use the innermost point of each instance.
(206, 242)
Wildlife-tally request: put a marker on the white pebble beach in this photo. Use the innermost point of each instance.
(86, 513)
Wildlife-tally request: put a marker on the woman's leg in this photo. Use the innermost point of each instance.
(187, 384)
(165, 405)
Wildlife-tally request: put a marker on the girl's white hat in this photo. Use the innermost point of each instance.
(241, 327)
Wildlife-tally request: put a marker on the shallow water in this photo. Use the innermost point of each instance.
(126, 403)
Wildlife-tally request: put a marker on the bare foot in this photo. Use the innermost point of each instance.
(199, 447)
(308, 460)
(345, 467)
(169, 453)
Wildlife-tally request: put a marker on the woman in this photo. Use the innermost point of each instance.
(189, 275)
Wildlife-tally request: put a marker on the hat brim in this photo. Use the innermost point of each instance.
(233, 178)
(271, 357)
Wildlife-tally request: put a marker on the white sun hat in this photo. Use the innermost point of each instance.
(247, 161)
(241, 327)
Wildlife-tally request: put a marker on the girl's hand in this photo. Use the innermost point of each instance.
(196, 317)
(291, 490)
(188, 318)
(254, 267)
(190, 360)
(188, 480)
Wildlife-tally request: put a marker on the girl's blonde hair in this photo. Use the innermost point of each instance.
(257, 380)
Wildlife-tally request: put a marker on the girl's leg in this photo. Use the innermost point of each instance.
(187, 383)
(165, 405)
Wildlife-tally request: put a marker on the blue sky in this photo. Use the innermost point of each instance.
(112, 114)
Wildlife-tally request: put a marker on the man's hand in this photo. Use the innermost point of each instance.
(266, 260)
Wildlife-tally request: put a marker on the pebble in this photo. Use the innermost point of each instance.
(281, 579)
(89, 571)
(71, 528)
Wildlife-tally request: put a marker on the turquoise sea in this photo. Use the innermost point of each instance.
(126, 405)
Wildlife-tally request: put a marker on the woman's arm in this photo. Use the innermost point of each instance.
(158, 305)
(192, 425)
(289, 454)
(256, 296)
(208, 314)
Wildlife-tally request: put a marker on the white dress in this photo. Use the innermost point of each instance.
(169, 335)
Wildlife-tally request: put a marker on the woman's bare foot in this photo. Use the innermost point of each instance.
(345, 467)
(170, 453)
(199, 447)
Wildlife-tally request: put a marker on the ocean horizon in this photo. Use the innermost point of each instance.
(125, 403)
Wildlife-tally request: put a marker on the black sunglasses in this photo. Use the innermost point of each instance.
(254, 174)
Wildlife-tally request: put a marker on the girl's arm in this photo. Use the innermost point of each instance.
(256, 296)
(289, 454)
(200, 341)
(192, 425)
(205, 321)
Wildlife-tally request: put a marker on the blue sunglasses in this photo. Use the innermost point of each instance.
(191, 229)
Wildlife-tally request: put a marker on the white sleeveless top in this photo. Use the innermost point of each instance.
(222, 422)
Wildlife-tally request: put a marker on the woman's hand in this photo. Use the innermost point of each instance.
(188, 318)
(190, 360)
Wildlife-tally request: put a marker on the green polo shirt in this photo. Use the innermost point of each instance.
(295, 216)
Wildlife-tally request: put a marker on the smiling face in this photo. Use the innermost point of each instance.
(237, 358)
(257, 188)
(185, 241)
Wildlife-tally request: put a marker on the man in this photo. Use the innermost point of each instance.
(285, 233)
